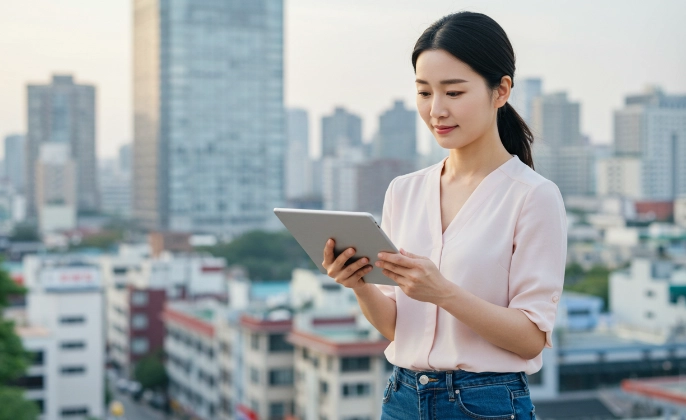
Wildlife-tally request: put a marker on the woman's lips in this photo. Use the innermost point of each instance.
(445, 129)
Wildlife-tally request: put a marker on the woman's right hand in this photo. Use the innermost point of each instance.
(348, 276)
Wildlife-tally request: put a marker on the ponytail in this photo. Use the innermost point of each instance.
(515, 134)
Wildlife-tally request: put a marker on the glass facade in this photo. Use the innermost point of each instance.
(211, 115)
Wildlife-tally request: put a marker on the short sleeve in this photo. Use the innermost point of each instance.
(386, 227)
(539, 256)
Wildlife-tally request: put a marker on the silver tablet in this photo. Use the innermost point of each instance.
(312, 228)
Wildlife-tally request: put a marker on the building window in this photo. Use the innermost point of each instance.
(356, 390)
(139, 321)
(73, 345)
(279, 377)
(277, 410)
(254, 341)
(650, 315)
(41, 405)
(277, 343)
(254, 375)
(323, 387)
(355, 364)
(139, 345)
(29, 382)
(139, 298)
(650, 293)
(36, 358)
(73, 370)
(74, 411)
(388, 366)
(225, 348)
(72, 319)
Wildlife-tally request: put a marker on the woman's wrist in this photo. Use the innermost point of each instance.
(452, 292)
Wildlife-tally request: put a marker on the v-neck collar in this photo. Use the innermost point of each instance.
(473, 203)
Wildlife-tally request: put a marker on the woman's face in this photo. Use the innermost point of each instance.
(453, 100)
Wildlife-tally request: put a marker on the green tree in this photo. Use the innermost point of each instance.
(266, 255)
(151, 373)
(593, 282)
(13, 360)
(24, 232)
(14, 406)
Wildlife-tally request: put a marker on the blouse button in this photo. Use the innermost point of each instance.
(556, 298)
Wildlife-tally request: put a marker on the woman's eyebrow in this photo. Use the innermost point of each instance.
(443, 82)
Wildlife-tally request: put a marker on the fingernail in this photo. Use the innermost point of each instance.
(351, 251)
(378, 264)
(364, 261)
(379, 255)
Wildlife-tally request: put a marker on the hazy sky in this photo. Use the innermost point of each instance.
(356, 53)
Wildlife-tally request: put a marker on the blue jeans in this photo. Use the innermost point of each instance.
(456, 395)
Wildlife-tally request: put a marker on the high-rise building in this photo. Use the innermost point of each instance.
(15, 160)
(397, 137)
(652, 127)
(208, 151)
(63, 112)
(523, 94)
(56, 187)
(340, 130)
(298, 155)
(560, 152)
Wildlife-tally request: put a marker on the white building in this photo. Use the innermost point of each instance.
(55, 187)
(680, 211)
(619, 176)
(339, 179)
(191, 348)
(42, 378)
(65, 298)
(340, 369)
(652, 127)
(650, 295)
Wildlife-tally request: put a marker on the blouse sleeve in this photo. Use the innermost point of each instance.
(386, 227)
(539, 256)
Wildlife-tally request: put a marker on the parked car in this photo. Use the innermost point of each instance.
(136, 390)
(122, 385)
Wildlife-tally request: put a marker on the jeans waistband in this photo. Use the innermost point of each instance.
(458, 378)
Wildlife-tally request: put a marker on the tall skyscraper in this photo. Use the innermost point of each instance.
(340, 130)
(63, 112)
(208, 114)
(523, 95)
(397, 137)
(298, 155)
(652, 127)
(15, 160)
(560, 153)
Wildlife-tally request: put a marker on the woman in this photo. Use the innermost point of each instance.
(482, 241)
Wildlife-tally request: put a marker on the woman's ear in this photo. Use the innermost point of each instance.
(504, 90)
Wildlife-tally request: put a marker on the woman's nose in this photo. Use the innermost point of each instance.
(438, 108)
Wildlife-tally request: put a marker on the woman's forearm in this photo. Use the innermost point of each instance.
(379, 309)
(507, 328)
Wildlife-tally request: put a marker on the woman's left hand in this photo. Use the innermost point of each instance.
(417, 276)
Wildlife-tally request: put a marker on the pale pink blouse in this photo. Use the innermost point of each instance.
(506, 245)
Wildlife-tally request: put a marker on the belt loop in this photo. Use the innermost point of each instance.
(524, 380)
(449, 384)
(396, 372)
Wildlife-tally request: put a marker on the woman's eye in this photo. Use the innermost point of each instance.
(425, 94)
(454, 94)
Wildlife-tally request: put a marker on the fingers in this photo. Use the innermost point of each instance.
(353, 268)
(328, 252)
(340, 261)
(355, 279)
(389, 266)
(397, 259)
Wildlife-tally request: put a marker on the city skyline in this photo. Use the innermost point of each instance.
(583, 52)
